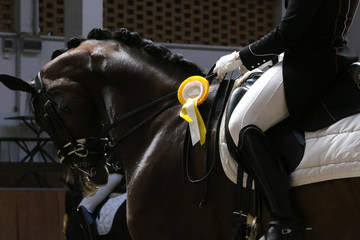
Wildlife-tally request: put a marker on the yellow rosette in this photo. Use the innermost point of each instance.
(192, 92)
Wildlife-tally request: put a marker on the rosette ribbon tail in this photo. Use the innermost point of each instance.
(191, 114)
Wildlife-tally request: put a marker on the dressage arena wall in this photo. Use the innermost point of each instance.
(32, 214)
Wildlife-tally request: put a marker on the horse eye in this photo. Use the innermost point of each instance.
(63, 108)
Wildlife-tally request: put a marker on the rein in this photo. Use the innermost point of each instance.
(145, 107)
(170, 96)
(217, 110)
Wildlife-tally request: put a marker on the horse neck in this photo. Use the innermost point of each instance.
(145, 86)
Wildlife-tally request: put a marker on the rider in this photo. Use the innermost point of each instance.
(312, 36)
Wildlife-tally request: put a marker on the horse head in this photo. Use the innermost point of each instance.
(64, 110)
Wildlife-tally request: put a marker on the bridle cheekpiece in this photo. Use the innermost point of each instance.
(80, 148)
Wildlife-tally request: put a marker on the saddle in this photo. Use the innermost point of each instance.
(342, 99)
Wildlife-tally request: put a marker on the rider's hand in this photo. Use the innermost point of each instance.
(227, 63)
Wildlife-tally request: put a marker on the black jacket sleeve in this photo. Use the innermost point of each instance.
(288, 33)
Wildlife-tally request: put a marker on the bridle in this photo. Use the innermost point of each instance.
(82, 148)
(75, 152)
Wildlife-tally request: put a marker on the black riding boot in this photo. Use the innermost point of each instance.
(263, 164)
(88, 223)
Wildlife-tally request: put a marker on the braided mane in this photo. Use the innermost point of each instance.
(131, 39)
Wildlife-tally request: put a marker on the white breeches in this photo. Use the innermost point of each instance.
(263, 104)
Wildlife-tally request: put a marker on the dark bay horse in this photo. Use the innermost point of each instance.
(122, 87)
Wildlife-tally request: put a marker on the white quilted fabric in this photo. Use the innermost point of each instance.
(107, 214)
(330, 153)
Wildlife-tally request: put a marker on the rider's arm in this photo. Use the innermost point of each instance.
(288, 33)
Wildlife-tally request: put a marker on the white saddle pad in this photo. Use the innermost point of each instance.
(330, 153)
(107, 214)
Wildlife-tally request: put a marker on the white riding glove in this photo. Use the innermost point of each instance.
(227, 63)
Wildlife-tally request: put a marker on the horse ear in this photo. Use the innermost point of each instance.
(16, 84)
